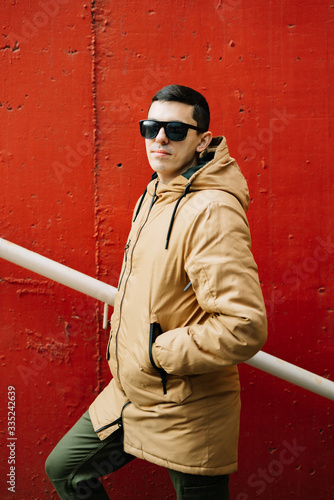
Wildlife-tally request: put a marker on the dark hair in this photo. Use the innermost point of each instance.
(186, 95)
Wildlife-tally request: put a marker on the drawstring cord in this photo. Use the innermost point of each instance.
(185, 192)
(154, 176)
(140, 204)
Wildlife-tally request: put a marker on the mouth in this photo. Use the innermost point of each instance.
(160, 153)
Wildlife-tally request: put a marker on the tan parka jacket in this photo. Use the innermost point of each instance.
(189, 308)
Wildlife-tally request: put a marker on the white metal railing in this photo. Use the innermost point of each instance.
(106, 293)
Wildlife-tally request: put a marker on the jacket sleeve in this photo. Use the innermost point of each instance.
(225, 280)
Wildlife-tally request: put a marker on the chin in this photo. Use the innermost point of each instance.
(158, 166)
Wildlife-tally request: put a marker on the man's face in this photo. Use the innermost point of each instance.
(171, 158)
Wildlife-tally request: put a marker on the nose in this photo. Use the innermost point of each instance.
(161, 138)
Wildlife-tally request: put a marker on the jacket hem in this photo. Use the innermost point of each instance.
(188, 469)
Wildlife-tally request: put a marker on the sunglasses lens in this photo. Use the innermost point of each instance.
(176, 131)
(149, 129)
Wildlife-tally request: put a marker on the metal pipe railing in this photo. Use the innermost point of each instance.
(292, 373)
(57, 272)
(106, 293)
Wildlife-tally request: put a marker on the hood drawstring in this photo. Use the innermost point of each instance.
(154, 176)
(185, 192)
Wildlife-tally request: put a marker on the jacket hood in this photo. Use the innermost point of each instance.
(216, 170)
(221, 172)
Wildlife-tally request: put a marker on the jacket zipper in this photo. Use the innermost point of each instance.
(154, 199)
(118, 421)
(126, 248)
(155, 331)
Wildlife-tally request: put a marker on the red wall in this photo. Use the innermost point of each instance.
(75, 80)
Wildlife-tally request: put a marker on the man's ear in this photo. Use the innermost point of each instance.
(205, 141)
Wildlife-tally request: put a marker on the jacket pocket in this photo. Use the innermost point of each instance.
(142, 382)
(155, 331)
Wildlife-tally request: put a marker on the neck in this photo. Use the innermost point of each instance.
(167, 177)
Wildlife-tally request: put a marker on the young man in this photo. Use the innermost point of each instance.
(189, 308)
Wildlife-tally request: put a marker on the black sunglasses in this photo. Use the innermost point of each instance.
(175, 131)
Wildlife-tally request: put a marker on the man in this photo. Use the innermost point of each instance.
(188, 309)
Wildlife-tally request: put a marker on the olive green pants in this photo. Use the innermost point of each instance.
(81, 458)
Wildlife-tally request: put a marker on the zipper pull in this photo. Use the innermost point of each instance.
(126, 248)
(120, 419)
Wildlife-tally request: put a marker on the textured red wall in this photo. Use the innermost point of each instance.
(75, 79)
